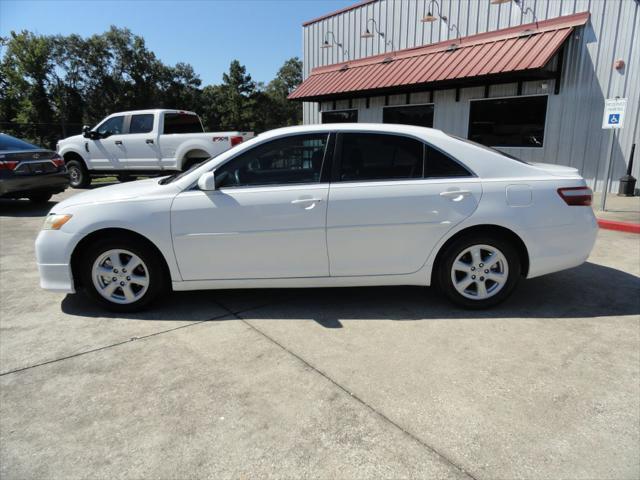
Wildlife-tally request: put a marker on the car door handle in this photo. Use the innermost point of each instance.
(455, 195)
(118, 142)
(306, 200)
(148, 140)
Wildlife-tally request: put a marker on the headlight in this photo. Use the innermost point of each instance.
(55, 222)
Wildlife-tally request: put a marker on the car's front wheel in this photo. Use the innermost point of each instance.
(479, 271)
(123, 275)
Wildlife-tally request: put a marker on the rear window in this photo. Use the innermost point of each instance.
(182, 123)
(7, 143)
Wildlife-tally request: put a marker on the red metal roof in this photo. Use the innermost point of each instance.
(507, 51)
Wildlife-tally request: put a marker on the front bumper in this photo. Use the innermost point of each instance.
(53, 254)
(22, 185)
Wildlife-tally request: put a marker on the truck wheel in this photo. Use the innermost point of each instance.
(78, 175)
(191, 162)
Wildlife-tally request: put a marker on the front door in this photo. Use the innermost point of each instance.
(265, 220)
(108, 153)
(392, 200)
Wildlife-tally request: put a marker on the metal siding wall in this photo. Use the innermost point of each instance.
(573, 134)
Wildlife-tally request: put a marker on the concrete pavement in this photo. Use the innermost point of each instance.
(322, 383)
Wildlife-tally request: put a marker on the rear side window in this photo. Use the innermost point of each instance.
(374, 156)
(141, 123)
(181, 123)
(8, 142)
(440, 165)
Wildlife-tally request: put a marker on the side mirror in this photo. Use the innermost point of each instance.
(207, 182)
(86, 131)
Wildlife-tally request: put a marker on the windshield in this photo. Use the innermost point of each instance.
(179, 175)
(466, 140)
(7, 142)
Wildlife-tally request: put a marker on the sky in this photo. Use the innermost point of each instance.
(208, 34)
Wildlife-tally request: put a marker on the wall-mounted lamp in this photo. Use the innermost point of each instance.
(369, 34)
(334, 42)
(430, 17)
(519, 3)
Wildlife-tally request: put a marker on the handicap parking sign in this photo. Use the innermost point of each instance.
(614, 112)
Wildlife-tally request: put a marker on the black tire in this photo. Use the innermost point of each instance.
(453, 251)
(78, 174)
(158, 280)
(125, 177)
(40, 197)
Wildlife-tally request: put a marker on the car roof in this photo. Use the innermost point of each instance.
(152, 110)
(392, 128)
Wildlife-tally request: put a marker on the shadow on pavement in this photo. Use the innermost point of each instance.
(24, 208)
(590, 290)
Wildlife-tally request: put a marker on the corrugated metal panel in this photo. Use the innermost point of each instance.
(503, 51)
(573, 125)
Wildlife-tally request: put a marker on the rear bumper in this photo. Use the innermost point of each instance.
(556, 248)
(22, 185)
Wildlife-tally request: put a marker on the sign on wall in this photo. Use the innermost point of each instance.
(614, 112)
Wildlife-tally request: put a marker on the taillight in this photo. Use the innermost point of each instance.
(235, 140)
(7, 164)
(580, 196)
(57, 161)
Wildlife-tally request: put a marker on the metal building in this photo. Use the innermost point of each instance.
(529, 77)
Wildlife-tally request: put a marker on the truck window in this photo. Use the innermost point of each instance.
(181, 123)
(141, 123)
(113, 126)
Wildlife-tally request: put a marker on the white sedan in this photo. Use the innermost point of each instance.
(325, 206)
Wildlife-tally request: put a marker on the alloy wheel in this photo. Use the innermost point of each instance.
(479, 272)
(120, 276)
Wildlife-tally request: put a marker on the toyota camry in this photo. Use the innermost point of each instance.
(325, 206)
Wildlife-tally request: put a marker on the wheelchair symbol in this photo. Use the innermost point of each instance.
(614, 118)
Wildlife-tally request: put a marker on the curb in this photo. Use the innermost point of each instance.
(619, 226)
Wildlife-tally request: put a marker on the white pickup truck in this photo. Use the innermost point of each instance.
(142, 143)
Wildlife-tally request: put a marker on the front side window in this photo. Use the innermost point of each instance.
(340, 116)
(508, 122)
(181, 123)
(289, 160)
(373, 156)
(113, 126)
(420, 115)
(141, 123)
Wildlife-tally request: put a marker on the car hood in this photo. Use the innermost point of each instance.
(139, 190)
(71, 139)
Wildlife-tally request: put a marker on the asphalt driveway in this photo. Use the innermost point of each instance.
(322, 383)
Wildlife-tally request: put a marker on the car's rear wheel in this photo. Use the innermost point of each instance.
(41, 197)
(124, 275)
(78, 174)
(479, 271)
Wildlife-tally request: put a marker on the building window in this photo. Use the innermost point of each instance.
(508, 122)
(420, 115)
(375, 156)
(340, 116)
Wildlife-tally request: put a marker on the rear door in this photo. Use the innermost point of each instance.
(140, 143)
(392, 198)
